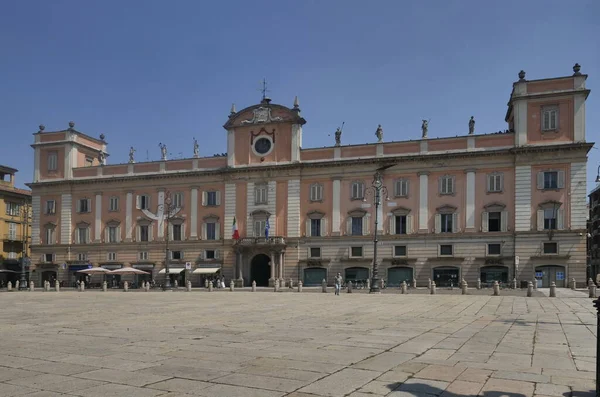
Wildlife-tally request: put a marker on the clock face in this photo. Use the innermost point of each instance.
(262, 145)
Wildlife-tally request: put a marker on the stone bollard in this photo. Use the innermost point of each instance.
(515, 283)
(206, 283)
(432, 288)
(81, 287)
(403, 287)
(104, 286)
(573, 284)
(254, 286)
(324, 285)
(529, 289)
(57, 286)
(47, 286)
(369, 284)
(231, 286)
(553, 290)
(382, 286)
(349, 287)
(189, 286)
(590, 282)
(176, 284)
(147, 286)
(464, 287)
(496, 288)
(592, 290)
(276, 285)
(31, 286)
(210, 286)
(9, 286)
(125, 286)
(478, 283)
(414, 284)
(17, 285)
(429, 284)
(299, 286)
(291, 284)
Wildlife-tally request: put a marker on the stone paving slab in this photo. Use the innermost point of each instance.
(296, 345)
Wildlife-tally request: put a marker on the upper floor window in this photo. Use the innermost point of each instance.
(446, 220)
(261, 193)
(13, 209)
(211, 198)
(111, 256)
(84, 205)
(211, 230)
(550, 219)
(259, 228)
(316, 224)
(113, 203)
(50, 234)
(83, 234)
(550, 216)
(316, 192)
(50, 207)
(315, 227)
(144, 232)
(143, 256)
(178, 200)
(549, 118)
(495, 182)
(357, 191)
(82, 257)
(177, 235)
(142, 202)
(52, 161)
(447, 184)
(89, 161)
(357, 225)
(551, 180)
(113, 236)
(12, 230)
(401, 188)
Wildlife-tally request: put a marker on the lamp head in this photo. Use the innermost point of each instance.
(598, 178)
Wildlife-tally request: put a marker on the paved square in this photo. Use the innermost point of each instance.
(264, 344)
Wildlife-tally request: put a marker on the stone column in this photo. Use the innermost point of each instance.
(240, 266)
(194, 213)
(272, 279)
(281, 275)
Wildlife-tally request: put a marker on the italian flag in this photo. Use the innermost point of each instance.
(234, 230)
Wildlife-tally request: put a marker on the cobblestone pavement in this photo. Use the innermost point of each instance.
(177, 344)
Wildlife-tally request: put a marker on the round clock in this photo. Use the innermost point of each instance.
(263, 145)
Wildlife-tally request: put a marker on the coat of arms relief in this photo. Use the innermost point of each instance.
(262, 115)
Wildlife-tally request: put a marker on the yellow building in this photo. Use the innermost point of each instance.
(15, 225)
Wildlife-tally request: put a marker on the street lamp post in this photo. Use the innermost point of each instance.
(24, 259)
(167, 207)
(378, 190)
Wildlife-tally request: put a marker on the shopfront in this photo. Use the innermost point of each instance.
(205, 273)
(397, 274)
(146, 267)
(112, 280)
(74, 275)
(47, 272)
(314, 276)
(446, 276)
(489, 274)
(545, 275)
(175, 274)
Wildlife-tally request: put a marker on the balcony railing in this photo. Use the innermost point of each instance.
(13, 237)
(253, 241)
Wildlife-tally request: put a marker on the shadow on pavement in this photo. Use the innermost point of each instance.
(425, 390)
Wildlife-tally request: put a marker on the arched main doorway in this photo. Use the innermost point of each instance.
(260, 270)
(545, 275)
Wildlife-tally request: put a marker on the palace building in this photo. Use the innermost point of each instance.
(479, 206)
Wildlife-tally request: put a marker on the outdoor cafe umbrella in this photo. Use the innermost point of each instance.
(127, 270)
(94, 270)
(7, 271)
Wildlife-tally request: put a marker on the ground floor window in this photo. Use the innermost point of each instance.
(355, 274)
(313, 276)
(396, 275)
(446, 276)
(490, 274)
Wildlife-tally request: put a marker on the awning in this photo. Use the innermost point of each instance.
(144, 266)
(76, 268)
(172, 270)
(206, 270)
(112, 267)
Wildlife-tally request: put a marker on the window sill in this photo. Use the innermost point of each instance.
(495, 191)
(550, 131)
(447, 194)
(357, 198)
(401, 196)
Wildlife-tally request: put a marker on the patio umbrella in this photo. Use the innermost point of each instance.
(127, 270)
(94, 270)
(7, 271)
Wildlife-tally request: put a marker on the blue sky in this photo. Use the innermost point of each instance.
(144, 72)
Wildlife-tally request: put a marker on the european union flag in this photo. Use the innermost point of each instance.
(267, 227)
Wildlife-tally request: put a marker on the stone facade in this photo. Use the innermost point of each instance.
(492, 206)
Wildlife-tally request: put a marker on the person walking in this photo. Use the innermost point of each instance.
(338, 283)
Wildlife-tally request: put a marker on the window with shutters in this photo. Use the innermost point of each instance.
(52, 161)
(446, 223)
(356, 252)
(143, 202)
(495, 182)
(82, 257)
(315, 252)
(447, 184)
(50, 207)
(12, 231)
(12, 209)
(549, 118)
(315, 227)
(550, 219)
(261, 191)
(551, 180)
(144, 232)
(494, 221)
(178, 200)
(316, 192)
(143, 256)
(259, 228)
(357, 225)
(446, 250)
(210, 254)
(494, 249)
(113, 204)
(211, 199)
(446, 220)
(113, 234)
(399, 250)
(49, 234)
(211, 231)
(83, 205)
(111, 256)
(177, 255)
(357, 190)
(48, 258)
(401, 187)
(83, 234)
(176, 235)
(401, 224)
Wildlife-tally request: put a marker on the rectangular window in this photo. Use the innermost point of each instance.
(550, 219)
(143, 256)
(494, 249)
(549, 118)
(144, 233)
(12, 255)
(447, 185)
(178, 200)
(52, 161)
(551, 180)
(495, 183)
(401, 188)
(315, 252)
(50, 207)
(358, 191)
(260, 194)
(494, 221)
(113, 204)
(209, 254)
(12, 209)
(446, 250)
(356, 252)
(82, 233)
(400, 250)
(111, 256)
(211, 198)
(50, 235)
(446, 223)
(144, 202)
(177, 233)
(551, 248)
(357, 225)
(89, 161)
(259, 228)
(83, 205)
(400, 224)
(177, 255)
(112, 234)
(82, 257)
(48, 258)
(315, 227)
(12, 231)
(211, 231)
(316, 192)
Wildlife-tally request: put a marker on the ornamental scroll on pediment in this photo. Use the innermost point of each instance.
(261, 115)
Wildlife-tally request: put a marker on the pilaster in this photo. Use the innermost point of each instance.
(128, 216)
(470, 201)
(335, 211)
(423, 202)
(98, 218)
(194, 214)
